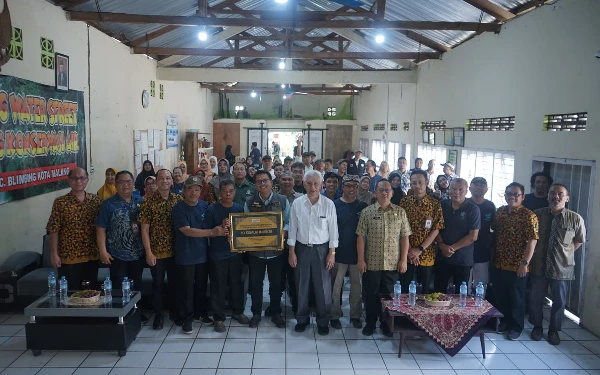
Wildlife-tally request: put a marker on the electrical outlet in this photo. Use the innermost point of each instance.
(92, 170)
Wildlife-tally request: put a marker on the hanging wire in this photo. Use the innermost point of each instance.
(480, 19)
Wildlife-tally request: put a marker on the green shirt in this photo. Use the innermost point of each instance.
(243, 191)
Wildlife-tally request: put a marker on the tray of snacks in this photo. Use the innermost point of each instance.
(85, 298)
(437, 300)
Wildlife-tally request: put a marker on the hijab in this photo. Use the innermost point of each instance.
(215, 170)
(365, 195)
(216, 180)
(183, 167)
(146, 192)
(108, 190)
(398, 193)
(141, 177)
(443, 193)
(208, 173)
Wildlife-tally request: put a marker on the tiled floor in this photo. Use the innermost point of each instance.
(272, 351)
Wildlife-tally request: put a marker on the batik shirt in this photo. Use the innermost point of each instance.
(424, 215)
(123, 232)
(156, 211)
(513, 231)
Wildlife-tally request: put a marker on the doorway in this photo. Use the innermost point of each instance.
(283, 142)
(578, 176)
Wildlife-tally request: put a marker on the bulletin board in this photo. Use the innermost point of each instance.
(148, 145)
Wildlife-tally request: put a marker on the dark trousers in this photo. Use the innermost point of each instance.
(421, 274)
(287, 275)
(257, 275)
(162, 267)
(558, 294)
(78, 272)
(311, 269)
(133, 269)
(223, 272)
(192, 281)
(445, 271)
(374, 284)
(509, 292)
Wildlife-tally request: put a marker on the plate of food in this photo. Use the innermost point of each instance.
(437, 300)
(85, 298)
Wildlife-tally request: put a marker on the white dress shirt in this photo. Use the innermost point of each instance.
(313, 223)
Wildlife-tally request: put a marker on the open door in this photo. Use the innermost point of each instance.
(338, 139)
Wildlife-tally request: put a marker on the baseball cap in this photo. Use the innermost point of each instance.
(448, 164)
(350, 178)
(193, 180)
(312, 153)
(306, 154)
(357, 151)
(342, 161)
(479, 180)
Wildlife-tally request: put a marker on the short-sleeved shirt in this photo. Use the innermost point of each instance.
(189, 250)
(121, 221)
(513, 231)
(485, 239)
(532, 203)
(373, 183)
(384, 229)
(255, 153)
(75, 222)
(243, 191)
(215, 214)
(156, 211)
(457, 224)
(424, 216)
(348, 215)
(560, 264)
(177, 188)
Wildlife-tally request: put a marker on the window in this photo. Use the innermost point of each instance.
(377, 151)
(406, 154)
(568, 122)
(428, 152)
(491, 124)
(497, 168)
(393, 154)
(331, 111)
(363, 145)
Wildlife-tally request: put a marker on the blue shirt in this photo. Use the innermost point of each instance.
(374, 180)
(485, 239)
(219, 246)
(177, 188)
(338, 194)
(189, 250)
(457, 225)
(347, 218)
(255, 153)
(123, 231)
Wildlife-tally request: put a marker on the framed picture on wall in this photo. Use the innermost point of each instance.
(452, 156)
(459, 137)
(425, 136)
(61, 67)
(432, 138)
(449, 137)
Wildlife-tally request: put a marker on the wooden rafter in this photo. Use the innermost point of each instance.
(492, 9)
(153, 35)
(425, 41)
(528, 6)
(380, 16)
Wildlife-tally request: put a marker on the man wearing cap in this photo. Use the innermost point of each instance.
(404, 174)
(449, 171)
(267, 165)
(348, 209)
(313, 156)
(243, 187)
(191, 259)
(485, 239)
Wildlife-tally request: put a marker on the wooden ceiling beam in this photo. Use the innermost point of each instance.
(425, 41)
(153, 35)
(202, 8)
(492, 9)
(380, 16)
(279, 14)
(528, 6)
(295, 39)
(295, 23)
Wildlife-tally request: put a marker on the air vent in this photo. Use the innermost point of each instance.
(433, 125)
(566, 123)
(491, 124)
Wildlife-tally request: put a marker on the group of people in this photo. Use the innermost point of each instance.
(351, 221)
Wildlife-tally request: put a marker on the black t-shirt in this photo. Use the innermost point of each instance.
(299, 189)
(532, 202)
(457, 225)
(485, 240)
(215, 214)
(347, 217)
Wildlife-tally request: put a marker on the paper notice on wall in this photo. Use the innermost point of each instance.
(137, 148)
(158, 157)
(137, 135)
(144, 141)
(315, 142)
(138, 171)
(150, 138)
(157, 139)
(151, 158)
(172, 130)
(138, 162)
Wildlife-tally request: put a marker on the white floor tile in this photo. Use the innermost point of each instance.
(14, 343)
(572, 372)
(471, 372)
(405, 372)
(586, 361)
(392, 362)
(29, 360)
(264, 371)
(8, 357)
(355, 334)
(369, 372)
(301, 360)
(241, 333)
(511, 347)
(339, 372)
(169, 360)
(208, 332)
(301, 346)
(198, 371)
(127, 371)
(438, 372)
(334, 334)
(269, 361)
(208, 345)
(236, 360)
(390, 346)
(93, 371)
(593, 346)
(270, 346)
(162, 371)
(538, 372)
(57, 371)
(527, 361)
(432, 362)
(67, 359)
(497, 362)
(505, 372)
(424, 346)
(234, 371)
(239, 346)
(270, 333)
(474, 346)
(558, 361)
(291, 371)
(573, 347)
(18, 319)
(541, 347)
(101, 359)
(332, 347)
(362, 346)
(136, 359)
(580, 334)
(148, 332)
(464, 362)
(203, 360)
(176, 345)
(177, 332)
(367, 361)
(21, 371)
(308, 334)
(143, 344)
(334, 361)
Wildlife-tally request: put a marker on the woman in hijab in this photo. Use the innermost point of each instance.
(151, 186)
(396, 181)
(178, 181)
(364, 194)
(441, 187)
(204, 191)
(147, 171)
(229, 155)
(213, 164)
(384, 170)
(205, 167)
(183, 166)
(108, 189)
(223, 169)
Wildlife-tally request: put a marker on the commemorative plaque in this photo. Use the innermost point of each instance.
(256, 231)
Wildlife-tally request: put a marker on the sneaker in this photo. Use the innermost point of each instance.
(323, 331)
(356, 323)
(502, 328)
(252, 323)
(368, 330)
(553, 338)
(513, 335)
(157, 324)
(537, 333)
(219, 326)
(243, 319)
(385, 330)
(300, 327)
(268, 311)
(335, 323)
(278, 321)
(187, 327)
(204, 320)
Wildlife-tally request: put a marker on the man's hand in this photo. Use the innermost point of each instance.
(226, 223)
(330, 261)
(413, 255)
(402, 266)
(362, 266)
(292, 259)
(220, 231)
(151, 259)
(105, 257)
(447, 251)
(522, 271)
(55, 260)
(414, 259)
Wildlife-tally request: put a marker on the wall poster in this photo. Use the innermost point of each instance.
(42, 137)
(172, 130)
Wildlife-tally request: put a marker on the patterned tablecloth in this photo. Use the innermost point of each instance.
(451, 327)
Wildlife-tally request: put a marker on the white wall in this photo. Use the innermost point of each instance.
(117, 81)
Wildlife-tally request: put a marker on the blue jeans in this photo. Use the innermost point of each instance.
(558, 294)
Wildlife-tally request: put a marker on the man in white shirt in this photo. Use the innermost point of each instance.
(313, 238)
(267, 165)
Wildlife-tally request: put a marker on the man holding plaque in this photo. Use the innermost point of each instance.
(313, 237)
(272, 260)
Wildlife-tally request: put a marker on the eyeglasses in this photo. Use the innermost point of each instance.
(351, 186)
(125, 182)
(80, 179)
(516, 195)
(384, 190)
(261, 182)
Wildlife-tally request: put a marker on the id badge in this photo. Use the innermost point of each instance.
(428, 223)
(135, 227)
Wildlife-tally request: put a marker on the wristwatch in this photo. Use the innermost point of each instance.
(421, 248)
(524, 262)
(332, 253)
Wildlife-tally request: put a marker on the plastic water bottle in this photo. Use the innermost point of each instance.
(462, 301)
(126, 288)
(412, 293)
(63, 287)
(51, 285)
(479, 291)
(397, 293)
(107, 290)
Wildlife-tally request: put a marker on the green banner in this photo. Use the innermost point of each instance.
(42, 137)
